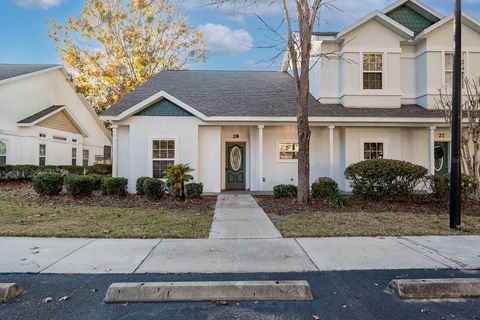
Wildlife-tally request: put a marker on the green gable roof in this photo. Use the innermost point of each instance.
(164, 108)
(408, 17)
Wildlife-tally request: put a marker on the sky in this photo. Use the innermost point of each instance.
(236, 38)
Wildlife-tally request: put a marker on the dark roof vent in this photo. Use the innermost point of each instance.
(279, 89)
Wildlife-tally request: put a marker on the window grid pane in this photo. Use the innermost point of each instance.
(288, 151)
(3, 148)
(163, 154)
(373, 150)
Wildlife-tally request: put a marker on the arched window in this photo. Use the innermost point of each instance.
(3, 152)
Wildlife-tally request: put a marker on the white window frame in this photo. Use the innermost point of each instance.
(76, 155)
(363, 71)
(150, 152)
(83, 157)
(277, 149)
(448, 86)
(385, 147)
(46, 152)
(5, 141)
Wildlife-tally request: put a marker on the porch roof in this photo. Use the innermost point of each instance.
(247, 94)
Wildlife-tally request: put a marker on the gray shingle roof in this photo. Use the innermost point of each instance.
(246, 94)
(40, 114)
(8, 71)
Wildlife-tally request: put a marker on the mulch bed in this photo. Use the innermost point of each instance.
(421, 204)
(22, 190)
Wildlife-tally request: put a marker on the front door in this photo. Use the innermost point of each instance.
(441, 154)
(235, 166)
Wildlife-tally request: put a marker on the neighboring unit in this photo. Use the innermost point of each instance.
(373, 98)
(45, 122)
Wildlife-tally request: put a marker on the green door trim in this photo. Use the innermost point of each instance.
(235, 171)
(442, 157)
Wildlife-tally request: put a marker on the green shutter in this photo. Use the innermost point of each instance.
(164, 108)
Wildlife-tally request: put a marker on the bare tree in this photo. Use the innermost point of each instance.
(298, 45)
(470, 133)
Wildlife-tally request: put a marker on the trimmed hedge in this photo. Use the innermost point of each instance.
(48, 183)
(114, 186)
(139, 185)
(28, 171)
(323, 187)
(285, 191)
(97, 180)
(153, 189)
(193, 190)
(382, 178)
(440, 185)
(79, 185)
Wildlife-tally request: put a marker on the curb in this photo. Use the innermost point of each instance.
(9, 291)
(208, 291)
(436, 288)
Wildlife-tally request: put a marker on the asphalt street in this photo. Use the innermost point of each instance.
(337, 295)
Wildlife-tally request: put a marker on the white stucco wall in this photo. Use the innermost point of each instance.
(25, 97)
(210, 158)
(143, 129)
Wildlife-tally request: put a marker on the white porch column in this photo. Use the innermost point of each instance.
(114, 150)
(431, 150)
(260, 157)
(330, 150)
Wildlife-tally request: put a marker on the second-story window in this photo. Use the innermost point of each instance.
(372, 71)
(449, 68)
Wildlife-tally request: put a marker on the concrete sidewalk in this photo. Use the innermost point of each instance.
(61, 255)
(238, 216)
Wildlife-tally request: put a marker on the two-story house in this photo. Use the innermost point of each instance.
(374, 99)
(44, 121)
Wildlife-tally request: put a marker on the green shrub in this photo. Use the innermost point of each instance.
(79, 185)
(440, 185)
(47, 183)
(139, 185)
(193, 190)
(153, 188)
(285, 191)
(337, 199)
(381, 178)
(23, 172)
(114, 186)
(323, 187)
(97, 180)
(177, 175)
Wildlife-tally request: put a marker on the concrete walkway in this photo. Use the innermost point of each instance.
(238, 216)
(63, 255)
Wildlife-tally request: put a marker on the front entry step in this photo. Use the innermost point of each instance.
(208, 291)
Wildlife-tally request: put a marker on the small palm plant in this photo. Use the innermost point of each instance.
(177, 175)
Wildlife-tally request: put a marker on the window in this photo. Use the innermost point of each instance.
(74, 156)
(449, 68)
(372, 71)
(373, 150)
(86, 155)
(59, 138)
(98, 159)
(287, 151)
(163, 154)
(42, 154)
(3, 152)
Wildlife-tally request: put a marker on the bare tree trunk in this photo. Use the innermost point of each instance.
(303, 130)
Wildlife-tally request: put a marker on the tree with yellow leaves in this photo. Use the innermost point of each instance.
(116, 45)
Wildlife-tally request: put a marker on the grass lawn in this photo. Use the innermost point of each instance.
(52, 220)
(23, 213)
(423, 215)
(342, 224)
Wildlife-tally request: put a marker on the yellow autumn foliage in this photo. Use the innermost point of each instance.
(116, 45)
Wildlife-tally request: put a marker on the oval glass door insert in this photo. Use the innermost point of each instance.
(235, 158)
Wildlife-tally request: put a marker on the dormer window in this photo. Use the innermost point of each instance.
(372, 71)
